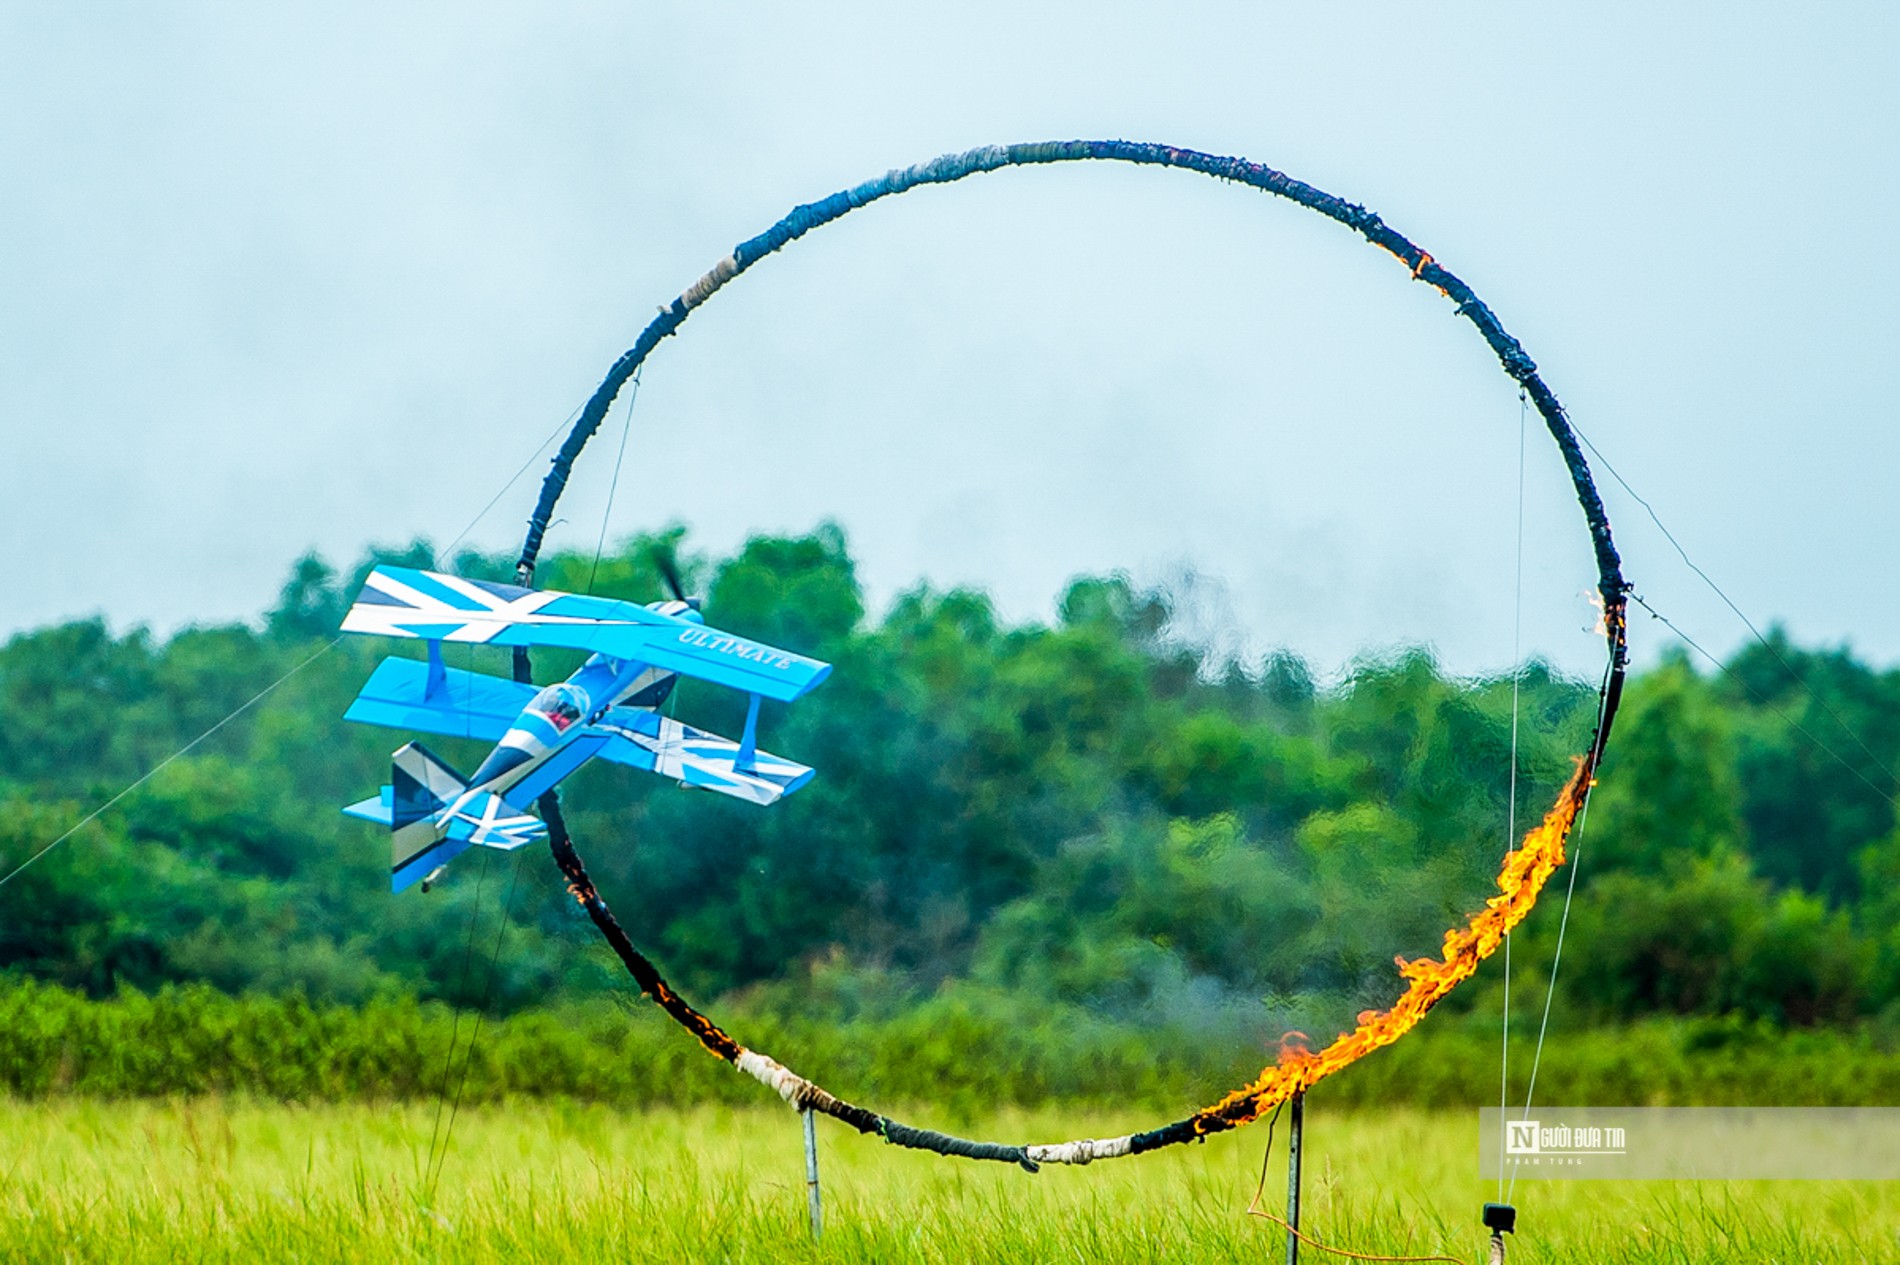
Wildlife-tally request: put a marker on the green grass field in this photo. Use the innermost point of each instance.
(225, 1180)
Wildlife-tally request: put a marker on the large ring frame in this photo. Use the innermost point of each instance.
(1525, 869)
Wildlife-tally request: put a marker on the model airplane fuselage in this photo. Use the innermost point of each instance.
(608, 708)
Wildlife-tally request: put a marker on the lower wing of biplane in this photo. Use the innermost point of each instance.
(472, 705)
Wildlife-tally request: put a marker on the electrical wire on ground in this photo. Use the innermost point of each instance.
(1255, 1210)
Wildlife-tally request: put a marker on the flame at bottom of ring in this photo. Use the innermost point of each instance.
(1522, 877)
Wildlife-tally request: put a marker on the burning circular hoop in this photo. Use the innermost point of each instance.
(1525, 869)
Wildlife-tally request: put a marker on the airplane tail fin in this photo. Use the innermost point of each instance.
(421, 785)
(432, 819)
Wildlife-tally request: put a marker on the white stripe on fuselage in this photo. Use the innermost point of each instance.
(519, 739)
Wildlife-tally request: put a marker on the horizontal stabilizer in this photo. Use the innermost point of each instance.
(407, 871)
(694, 757)
(432, 818)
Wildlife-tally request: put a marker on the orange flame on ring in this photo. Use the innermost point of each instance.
(1523, 876)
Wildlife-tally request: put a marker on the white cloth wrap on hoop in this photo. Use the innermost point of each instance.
(782, 1080)
(701, 290)
(1081, 1151)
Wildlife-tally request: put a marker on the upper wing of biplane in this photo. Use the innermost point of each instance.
(400, 602)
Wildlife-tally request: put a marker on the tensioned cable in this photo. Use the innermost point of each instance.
(154, 771)
(438, 1158)
(446, 552)
(626, 428)
(1510, 812)
(455, 1026)
(1715, 588)
(488, 991)
(1783, 713)
(254, 699)
(1563, 925)
(432, 1170)
(1778, 710)
(247, 704)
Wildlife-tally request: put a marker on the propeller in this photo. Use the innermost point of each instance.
(669, 568)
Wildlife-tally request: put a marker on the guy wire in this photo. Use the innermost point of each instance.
(1563, 923)
(252, 701)
(1727, 601)
(633, 393)
(1786, 715)
(438, 1159)
(488, 992)
(443, 554)
(455, 1028)
(1510, 812)
(154, 771)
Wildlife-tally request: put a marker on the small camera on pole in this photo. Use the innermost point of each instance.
(1500, 1220)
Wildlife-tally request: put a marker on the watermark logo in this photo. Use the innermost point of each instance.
(1696, 1143)
(1533, 1141)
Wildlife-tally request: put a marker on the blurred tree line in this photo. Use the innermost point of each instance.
(1089, 813)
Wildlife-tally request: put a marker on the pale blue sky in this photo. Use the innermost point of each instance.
(276, 277)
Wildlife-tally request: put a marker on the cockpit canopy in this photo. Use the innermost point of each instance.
(561, 705)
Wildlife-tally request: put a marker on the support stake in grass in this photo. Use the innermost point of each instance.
(811, 1174)
(1295, 1150)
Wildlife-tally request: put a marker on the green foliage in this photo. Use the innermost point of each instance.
(797, 592)
(1713, 938)
(1673, 796)
(1087, 815)
(962, 1050)
(1124, 918)
(1819, 753)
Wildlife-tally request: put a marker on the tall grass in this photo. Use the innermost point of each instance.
(218, 1179)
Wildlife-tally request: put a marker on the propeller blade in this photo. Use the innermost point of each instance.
(670, 572)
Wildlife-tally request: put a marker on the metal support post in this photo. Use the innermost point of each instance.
(1296, 1145)
(811, 1174)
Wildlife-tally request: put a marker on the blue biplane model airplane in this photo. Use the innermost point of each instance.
(608, 708)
